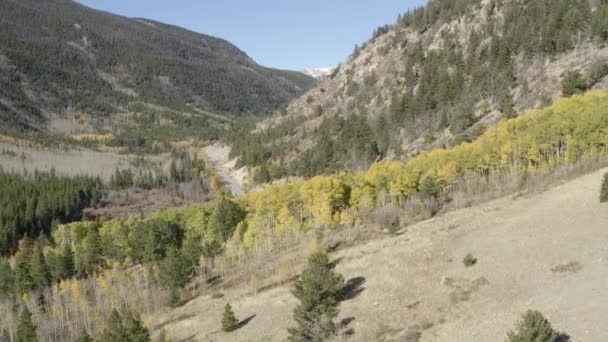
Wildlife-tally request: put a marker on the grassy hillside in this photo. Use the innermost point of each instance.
(61, 57)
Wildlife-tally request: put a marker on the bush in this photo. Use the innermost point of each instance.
(393, 226)
(534, 327)
(573, 83)
(229, 321)
(604, 189)
(469, 260)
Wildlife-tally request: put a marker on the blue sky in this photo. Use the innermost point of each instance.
(288, 34)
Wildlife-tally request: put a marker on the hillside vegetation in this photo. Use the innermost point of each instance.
(59, 57)
(437, 77)
(209, 240)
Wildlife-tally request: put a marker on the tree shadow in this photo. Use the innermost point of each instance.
(352, 288)
(245, 322)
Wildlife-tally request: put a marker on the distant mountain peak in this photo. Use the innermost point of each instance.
(318, 73)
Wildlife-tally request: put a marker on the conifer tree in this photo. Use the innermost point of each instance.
(65, 263)
(7, 280)
(23, 277)
(41, 275)
(26, 330)
(534, 327)
(318, 290)
(176, 270)
(604, 190)
(428, 188)
(115, 330)
(229, 321)
(135, 329)
(92, 251)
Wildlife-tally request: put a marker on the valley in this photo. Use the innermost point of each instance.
(447, 181)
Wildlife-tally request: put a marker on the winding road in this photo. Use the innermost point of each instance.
(217, 155)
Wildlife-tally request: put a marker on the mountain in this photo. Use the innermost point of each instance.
(59, 58)
(318, 73)
(439, 76)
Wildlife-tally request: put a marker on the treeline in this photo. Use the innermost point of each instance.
(150, 131)
(31, 204)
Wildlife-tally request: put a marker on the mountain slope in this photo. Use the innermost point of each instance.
(439, 76)
(59, 57)
(415, 285)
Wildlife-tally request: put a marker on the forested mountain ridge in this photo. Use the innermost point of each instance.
(59, 57)
(439, 76)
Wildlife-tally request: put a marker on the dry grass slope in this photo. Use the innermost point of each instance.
(415, 287)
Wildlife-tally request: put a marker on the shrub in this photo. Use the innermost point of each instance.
(229, 321)
(534, 327)
(469, 260)
(573, 83)
(393, 226)
(604, 189)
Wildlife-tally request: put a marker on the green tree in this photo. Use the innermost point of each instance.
(318, 291)
(41, 275)
(176, 271)
(229, 321)
(428, 188)
(64, 264)
(115, 329)
(226, 215)
(604, 189)
(135, 329)
(26, 330)
(534, 327)
(7, 280)
(91, 253)
(573, 83)
(23, 277)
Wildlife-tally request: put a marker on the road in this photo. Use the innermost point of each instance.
(217, 155)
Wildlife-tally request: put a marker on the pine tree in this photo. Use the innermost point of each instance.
(226, 215)
(92, 251)
(176, 270)
(428, 188)
(23, 277)
(115, 330)
(534, 327)
(7, 280)
(41, 275)
(65, 263)
(26, 330)
(229, 321)
(135, 328)
(604, 190)
(318, 290)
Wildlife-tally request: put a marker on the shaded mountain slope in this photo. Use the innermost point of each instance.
(60, 57)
